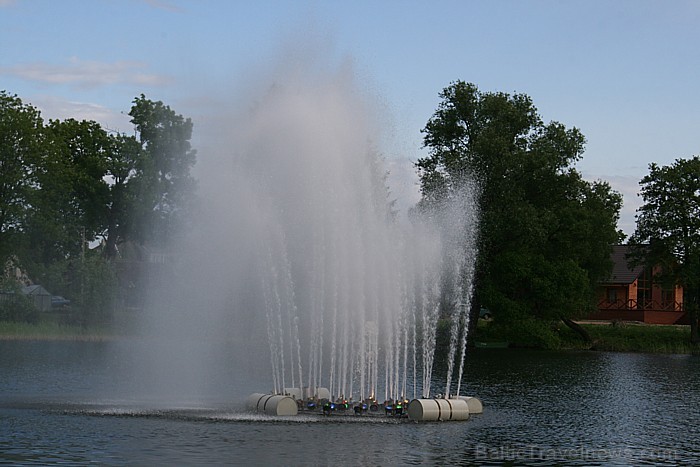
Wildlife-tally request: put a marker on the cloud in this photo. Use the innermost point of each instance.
(86, 73)
(56, 108)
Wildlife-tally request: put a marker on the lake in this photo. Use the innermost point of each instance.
(68, 403)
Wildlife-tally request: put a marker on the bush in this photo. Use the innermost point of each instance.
(531, 332)
(89, 282)
(520, 330)
(16, 307)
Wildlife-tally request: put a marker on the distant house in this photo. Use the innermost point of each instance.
(631, 294)
(40, 297)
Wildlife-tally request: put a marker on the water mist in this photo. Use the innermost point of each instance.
(299, 261)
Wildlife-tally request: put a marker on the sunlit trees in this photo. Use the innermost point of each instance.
(545, 233)
(668, 230)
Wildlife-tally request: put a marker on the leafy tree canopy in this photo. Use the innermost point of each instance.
(545, 233)
(65, 183)
(163, 178)
(20, 142)
(67, 207)
(668, 229)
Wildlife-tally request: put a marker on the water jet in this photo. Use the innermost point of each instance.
(350, 293)
(299, 261)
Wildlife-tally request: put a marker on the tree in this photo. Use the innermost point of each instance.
(122, 161)
(20, 141)
(68, 206)
(163, 181)
(66, 183)
(668, 230)
(545, 234)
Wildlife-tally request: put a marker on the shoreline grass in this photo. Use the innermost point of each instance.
(611, 337)
(51, 331)
(606, 336)
(638, 337)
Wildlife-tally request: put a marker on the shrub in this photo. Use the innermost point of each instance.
(17, 307)
(521, 330)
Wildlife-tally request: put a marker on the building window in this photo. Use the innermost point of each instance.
(668, 299)
(644, 284)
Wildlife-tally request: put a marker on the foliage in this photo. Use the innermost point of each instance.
(66, 184)
(67, 208)
(642, 338)
(545, 233)
(614, 337)
(20, 309)
(15, 306)
(89, 281)
(20, 140)
(98, 289)
(163, 180)
(520, 330)
(122, 160)
(668, 230)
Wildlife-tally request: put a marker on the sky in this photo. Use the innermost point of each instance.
(626, 72)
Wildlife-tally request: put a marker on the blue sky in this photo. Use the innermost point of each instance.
(627, 73)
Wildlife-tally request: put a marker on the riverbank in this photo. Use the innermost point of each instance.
(639, 337)
(50, 331)
(606, 336)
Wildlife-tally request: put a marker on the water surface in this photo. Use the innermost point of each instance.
(69, 402)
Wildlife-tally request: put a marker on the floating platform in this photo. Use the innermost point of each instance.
(438, 409)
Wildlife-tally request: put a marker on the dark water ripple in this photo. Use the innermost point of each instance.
(65, 403)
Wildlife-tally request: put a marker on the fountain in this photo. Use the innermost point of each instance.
(350, 293)
(300, 248)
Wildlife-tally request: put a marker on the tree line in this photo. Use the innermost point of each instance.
(544, 239)
(546, 234)
(668, 231)
(65, 184)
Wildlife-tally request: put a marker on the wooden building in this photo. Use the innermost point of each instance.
(631, 294)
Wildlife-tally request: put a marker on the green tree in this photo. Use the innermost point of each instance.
(163, 181)
(93, 286)
(545, 234)
(67, 210)
(20, 142)
(668, 230)
(122, 161)
(68, 206)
